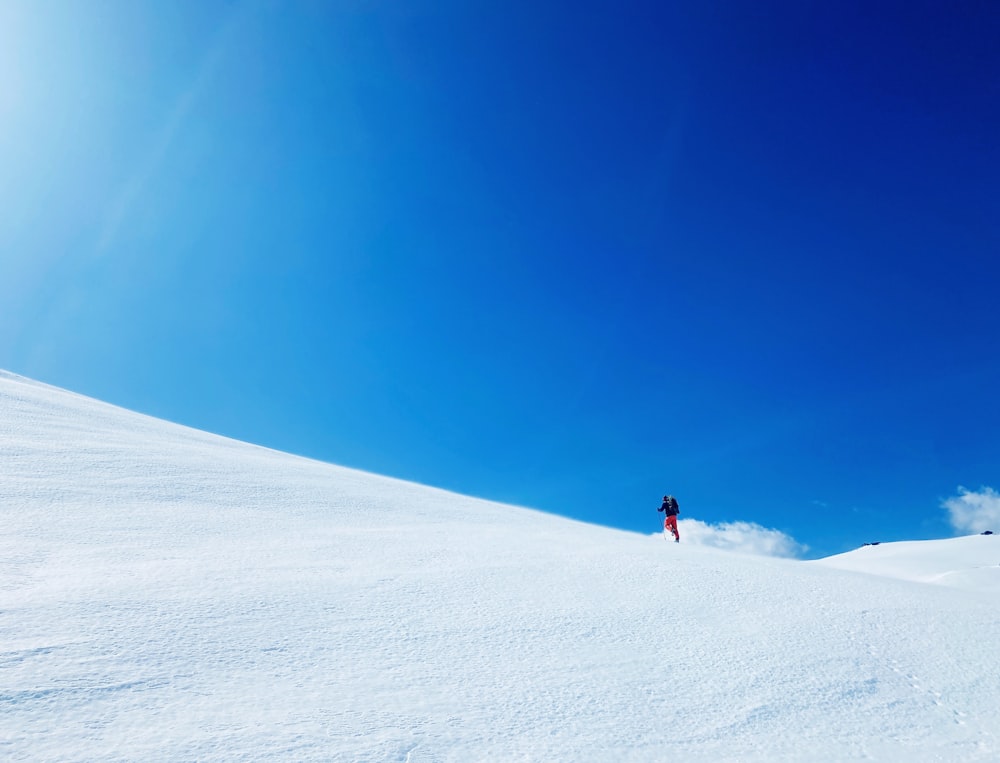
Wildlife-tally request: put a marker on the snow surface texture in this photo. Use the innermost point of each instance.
(166, 594)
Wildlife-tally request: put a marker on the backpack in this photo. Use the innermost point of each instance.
(670, 506)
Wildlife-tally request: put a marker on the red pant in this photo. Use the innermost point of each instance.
(670, 522)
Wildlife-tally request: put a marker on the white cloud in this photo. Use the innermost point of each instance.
(744, 537)
(974, 512)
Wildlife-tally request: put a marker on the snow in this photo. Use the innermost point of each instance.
(970, 563)
(167, 594)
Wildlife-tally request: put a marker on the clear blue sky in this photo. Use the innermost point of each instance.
(567, 255)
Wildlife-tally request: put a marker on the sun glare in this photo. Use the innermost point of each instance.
(11, 68)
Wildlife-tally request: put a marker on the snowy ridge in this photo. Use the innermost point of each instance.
(971, 563)
(167, 594)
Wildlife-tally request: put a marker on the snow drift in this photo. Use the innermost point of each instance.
(167, 594)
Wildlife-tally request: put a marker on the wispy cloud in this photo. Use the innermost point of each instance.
(974, 512)
(744, 537)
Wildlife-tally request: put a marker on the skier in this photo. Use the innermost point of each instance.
(670, 511)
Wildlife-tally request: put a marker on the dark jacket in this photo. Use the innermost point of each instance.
(670, 507)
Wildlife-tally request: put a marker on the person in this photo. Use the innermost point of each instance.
(670, 511)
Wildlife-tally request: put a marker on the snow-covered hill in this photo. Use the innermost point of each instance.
(970, 563)
(167, 594)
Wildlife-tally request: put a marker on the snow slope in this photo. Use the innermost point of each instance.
(167, 594)
(971, 563)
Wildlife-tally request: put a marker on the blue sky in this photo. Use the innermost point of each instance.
(571, 256)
